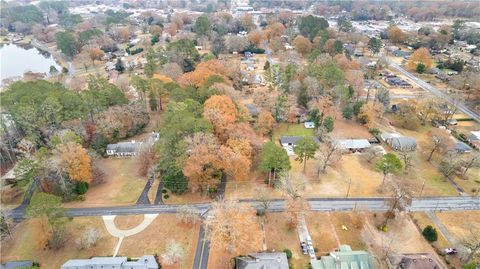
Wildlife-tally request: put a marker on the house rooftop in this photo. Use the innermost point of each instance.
(144, 262)
(294, 139)
(352, 143)
(275, 260)
(344, 258)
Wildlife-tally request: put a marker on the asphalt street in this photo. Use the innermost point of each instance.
(316, 204)
(424, 85)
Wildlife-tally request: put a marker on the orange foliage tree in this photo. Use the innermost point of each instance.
(220, 111)
(265, 122)
(255, 37)
(95, 54)
(202, 72)
(396, 35)
(302, 44)
(202, 167)
(421, 55)
(75, 160)
(234, 164)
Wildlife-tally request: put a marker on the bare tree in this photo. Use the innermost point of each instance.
(407, 158)
(373, 153)
(473, 160)
(472, 245)
(264, 202)
(451, 162)
(294, 207)
(233, 226)
(329, 154)
(187, 214)
(89, 238)
(6, 224)
(440, 142)
(399, 201)
(174, 253)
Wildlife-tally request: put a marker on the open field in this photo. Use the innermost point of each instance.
(286, 129)
(122, 184)
(279, 237)
(461, 224)
(29, 243)
(158, 235)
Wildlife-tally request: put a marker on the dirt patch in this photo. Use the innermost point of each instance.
(186, 198)
(460, 224)
(349, 129)
(156, 237)
(321, 232)
(28, 243)
(128, 222)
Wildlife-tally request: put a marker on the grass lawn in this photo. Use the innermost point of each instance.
(460, 224)
(321, 232)
(279, 237)
(471, 182)
(158, 235)
(122, 184)
(288, 129)
(422, 220)
(29, 243)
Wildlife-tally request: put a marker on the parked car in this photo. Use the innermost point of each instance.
(311, 252)
(450, 251)
(303, 246)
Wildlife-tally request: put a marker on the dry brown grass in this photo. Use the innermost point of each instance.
(128, 221)
(29, 243)
(122, 184)
(156, 237)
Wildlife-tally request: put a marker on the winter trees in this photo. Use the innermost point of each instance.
(329, 154)
(88, 239)
(173, 254)
(233, 226)
(302, 45)
(395, 34)
(440, 143)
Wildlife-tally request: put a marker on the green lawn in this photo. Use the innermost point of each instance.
(287, 129)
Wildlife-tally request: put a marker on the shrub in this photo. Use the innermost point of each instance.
(430, 233)
(472, 265)
(420, 68)
(166, 196)
(164, 191)
(82, 188)
(374, 131)
(288, 252)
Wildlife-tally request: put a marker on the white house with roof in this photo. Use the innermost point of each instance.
(352, 145)
(399, 142)
(131, 148)
(144, 262)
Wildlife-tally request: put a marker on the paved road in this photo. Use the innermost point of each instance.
(424, 85)
(202, 251)
(316, 204)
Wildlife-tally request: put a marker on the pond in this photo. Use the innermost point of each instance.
(16, 60)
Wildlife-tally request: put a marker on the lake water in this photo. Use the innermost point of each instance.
(16, 60)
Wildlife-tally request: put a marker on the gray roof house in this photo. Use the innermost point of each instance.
(124, 148)
(276, 260)
(403, 143)
(352, 145)
(254, 111)
(461, 147)
(344, 258)
(131, 148)
(144, 262)
(16, 264)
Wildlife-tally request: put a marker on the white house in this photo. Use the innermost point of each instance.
(309, 124)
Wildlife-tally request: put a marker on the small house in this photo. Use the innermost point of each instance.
(403, 143)
(124, 149)
(289, 142)
(352, 145)
(309, 124)
(144, 262)
(461, 147)
(474, 139)
(275, 260)
(16, 265)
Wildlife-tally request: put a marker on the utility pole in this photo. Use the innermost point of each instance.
(349, 184)
(423, 186)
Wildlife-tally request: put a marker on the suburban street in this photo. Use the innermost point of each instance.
(424, 85)
(316, 204)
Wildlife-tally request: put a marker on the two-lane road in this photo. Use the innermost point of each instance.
(424, 85)
(316, 204)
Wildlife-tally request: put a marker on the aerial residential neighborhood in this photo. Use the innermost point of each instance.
(240, 134)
